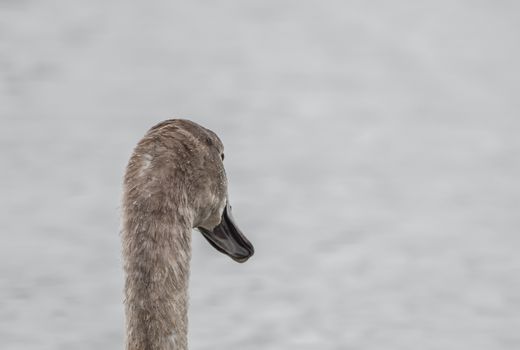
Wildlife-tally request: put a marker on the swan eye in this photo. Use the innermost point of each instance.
(222, 156)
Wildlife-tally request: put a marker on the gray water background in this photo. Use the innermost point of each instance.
(372, 149)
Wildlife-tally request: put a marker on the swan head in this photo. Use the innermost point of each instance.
(197, 157)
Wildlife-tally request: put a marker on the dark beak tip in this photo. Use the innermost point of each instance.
(244, 258)
(241, 260)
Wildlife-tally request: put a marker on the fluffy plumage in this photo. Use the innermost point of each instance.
(174, 181)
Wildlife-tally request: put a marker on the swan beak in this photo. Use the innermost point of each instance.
(227, 238)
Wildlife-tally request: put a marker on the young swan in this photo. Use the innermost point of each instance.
(174, 182)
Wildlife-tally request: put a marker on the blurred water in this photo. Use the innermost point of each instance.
(372, 150)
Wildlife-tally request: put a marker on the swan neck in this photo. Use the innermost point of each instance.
(157, 253)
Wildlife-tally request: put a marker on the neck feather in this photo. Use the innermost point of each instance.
(157, 252)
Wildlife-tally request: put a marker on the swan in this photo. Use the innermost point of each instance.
(174, 182)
